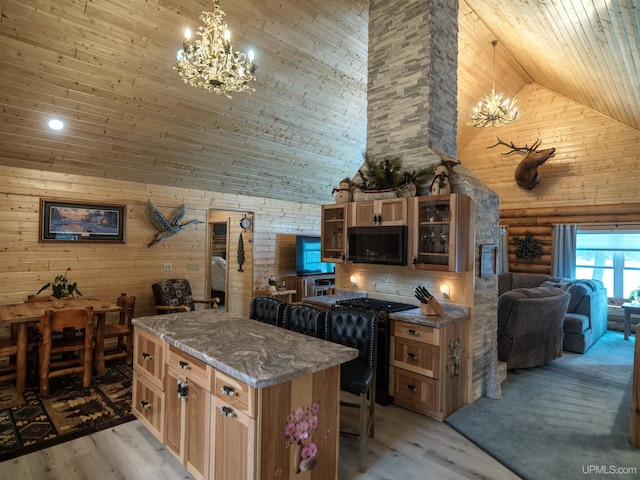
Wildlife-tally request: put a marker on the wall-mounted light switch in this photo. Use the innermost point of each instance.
(168, 267)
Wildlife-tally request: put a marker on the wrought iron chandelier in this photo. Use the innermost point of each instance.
(210, 62)
(494, 110)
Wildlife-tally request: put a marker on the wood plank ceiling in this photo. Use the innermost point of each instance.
(105, 67)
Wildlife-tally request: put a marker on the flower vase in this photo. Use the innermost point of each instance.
(57, 302)
(297, 457)
(302, 464)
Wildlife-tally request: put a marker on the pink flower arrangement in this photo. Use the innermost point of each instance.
(300, 428)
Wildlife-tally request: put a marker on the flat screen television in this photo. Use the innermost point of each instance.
(308, 257)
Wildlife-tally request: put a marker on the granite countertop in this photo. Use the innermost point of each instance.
(255, 353)
(452, 313)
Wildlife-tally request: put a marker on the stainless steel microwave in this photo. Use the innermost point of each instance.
(381, 245)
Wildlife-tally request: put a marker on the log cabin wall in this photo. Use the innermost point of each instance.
(106, 270)
(593, 177)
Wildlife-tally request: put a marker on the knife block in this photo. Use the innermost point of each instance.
(431, 308)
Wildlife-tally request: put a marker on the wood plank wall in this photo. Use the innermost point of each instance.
(106, 270)
(593, 178)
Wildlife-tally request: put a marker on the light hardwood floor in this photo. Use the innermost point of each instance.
(407, 446)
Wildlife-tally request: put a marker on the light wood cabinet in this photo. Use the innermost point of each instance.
(389, 211)
(334, 232)
(311, 285)
(148, 382)
(427, 372)
(149, 357)
(148, 405)
(440, 232)
(187, 411)
(233, 440)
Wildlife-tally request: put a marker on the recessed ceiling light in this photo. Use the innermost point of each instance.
(56, 124)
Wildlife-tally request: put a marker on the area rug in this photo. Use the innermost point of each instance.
(29, 422)
(568, 419)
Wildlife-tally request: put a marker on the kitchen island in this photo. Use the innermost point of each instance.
(226, 395)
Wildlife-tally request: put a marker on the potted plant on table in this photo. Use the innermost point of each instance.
(634, 296)
(62, 288)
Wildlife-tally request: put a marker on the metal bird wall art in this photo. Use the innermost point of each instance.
(166, 228)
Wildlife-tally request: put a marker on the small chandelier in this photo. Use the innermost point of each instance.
(210, 62)
(494, 110)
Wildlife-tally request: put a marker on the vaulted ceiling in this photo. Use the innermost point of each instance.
(106, 68)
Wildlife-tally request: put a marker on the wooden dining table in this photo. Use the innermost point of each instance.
(23, 314)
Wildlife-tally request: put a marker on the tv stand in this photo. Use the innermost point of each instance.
(312, 285)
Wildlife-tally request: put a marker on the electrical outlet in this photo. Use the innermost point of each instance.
(168, 267)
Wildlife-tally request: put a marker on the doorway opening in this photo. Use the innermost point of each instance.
(229, 275)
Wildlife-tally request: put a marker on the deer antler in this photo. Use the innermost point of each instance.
(521, 150)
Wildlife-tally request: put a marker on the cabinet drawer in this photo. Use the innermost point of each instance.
(149, 356)
(192, 368)
(414, 391)
(148, 405)
(417, 357)
(235, 393)
(418, 333)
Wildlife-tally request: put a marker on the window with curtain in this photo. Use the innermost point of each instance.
(612, 256)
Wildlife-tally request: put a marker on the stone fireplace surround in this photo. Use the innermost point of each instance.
(412, 112)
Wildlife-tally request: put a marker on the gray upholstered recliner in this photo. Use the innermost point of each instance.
(586, 318)
(530, 325)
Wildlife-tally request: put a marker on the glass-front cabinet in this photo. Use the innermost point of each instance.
(334, 232)
(440, 239)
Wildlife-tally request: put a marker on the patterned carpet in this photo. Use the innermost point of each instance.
(29, 423)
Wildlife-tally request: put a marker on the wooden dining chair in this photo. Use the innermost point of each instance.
(9, 351)
(122, 330)
(53, 362)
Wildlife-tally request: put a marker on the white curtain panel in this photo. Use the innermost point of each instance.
(503, 250)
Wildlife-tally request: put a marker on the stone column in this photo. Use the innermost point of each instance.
(412, 84)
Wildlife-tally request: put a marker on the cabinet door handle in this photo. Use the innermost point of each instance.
(229, 391)
(146, 356)
(183, 389)
(227, 412)
(145, 405)
(411, 388)
(184, 365)
(412, 356)
(412, 332)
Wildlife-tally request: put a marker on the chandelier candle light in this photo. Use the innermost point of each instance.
(494, 110)
(210, 62)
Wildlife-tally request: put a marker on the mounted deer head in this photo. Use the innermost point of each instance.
(527, 175)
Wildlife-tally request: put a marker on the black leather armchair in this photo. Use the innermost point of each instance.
(267, 310)
(357, 329)
(305, 319)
